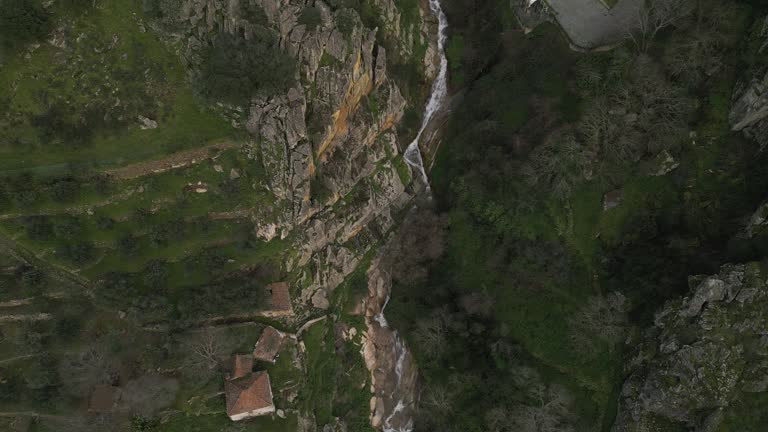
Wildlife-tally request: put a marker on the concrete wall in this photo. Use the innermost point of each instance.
(254, 413)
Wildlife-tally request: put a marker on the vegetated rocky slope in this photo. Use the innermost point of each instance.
(705, 357)
(329, 146)
(703, 365)
(330, 143)
(749, 112)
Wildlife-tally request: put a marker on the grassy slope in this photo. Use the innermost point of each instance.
(133, 67)
(114, 59)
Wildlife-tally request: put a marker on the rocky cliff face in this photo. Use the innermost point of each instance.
(392, 367)
(749, 111)
(329, 144)
(706, 355)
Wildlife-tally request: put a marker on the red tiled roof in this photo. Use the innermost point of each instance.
(242, 365)
(268, 345)
(248, 393)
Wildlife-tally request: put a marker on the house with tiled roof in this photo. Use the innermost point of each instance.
(269, 345)
(249, 396)
(242, 365)
(279, 300)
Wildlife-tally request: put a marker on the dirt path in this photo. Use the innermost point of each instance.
(29, 300)
(31, 414)
(176, 160)
(245, 318)
(21, 357)
(25, 317)
(77, 209)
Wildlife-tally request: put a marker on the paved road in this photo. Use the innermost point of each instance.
(590, 24)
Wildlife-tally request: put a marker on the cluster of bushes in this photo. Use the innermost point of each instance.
(149, 295)
(26, 191)
(22, 21)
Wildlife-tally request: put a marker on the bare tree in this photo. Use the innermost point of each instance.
(205, 353)
(548, 409)
(601, 322)
(693, 56)
(420, 241)
(698, 52)
(438, 399)
(82, 371)
(549, 413)
(655, 16)
(432, 333)
(662, 106)
(559, 164)
(497, 419)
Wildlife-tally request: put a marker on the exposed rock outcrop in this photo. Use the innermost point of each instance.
(706, 353)
(758, 222)
(329, 144)
(749, 112)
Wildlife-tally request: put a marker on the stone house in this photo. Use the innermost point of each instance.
(269, 345)
(279, 300)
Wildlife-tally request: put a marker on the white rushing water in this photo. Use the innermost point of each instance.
(401, 351)
(439, 91)
(413, 157)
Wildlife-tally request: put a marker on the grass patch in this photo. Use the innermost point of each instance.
(319, 390)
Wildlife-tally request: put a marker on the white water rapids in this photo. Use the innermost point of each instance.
(412, 154)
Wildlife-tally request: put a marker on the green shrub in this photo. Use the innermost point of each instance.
(64, 190)
(311, 17)
(68, 227)
(155, 273)
(346, 22)
(455, 51)
(38, 228)
(253, 13)
(234, 69)
(22, 21)
(77, 252)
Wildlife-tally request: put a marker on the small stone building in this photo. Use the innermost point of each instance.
(279, 300)
(269, 345)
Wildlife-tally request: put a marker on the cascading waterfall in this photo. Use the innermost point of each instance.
(413, 157)
(439, 91)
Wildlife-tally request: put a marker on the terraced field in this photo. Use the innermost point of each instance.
(126, 207)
